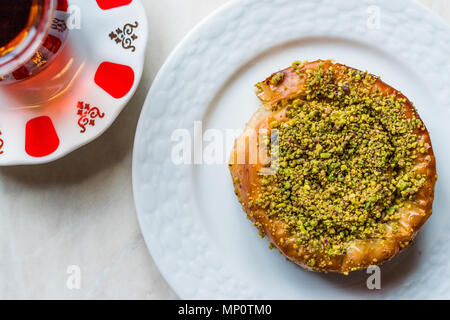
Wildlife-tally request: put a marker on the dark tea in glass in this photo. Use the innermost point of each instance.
(15, 17)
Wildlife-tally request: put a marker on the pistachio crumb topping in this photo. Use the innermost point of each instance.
(276, 79)
(346, 155)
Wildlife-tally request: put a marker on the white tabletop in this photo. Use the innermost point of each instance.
(77, 214)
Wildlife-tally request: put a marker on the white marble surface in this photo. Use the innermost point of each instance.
(80, 211)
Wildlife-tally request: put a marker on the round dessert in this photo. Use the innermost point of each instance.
(336, 168)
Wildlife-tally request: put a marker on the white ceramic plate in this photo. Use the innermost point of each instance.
(91, 81)
(194, 227)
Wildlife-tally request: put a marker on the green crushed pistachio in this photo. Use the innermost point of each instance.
(347, 156)
(276, 79)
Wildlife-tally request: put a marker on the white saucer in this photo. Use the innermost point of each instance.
(91, 81)
(194, 226)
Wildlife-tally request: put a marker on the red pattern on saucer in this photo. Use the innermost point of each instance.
(52, 43)
(115, 79)
(62, 5)
(87, 115)
(41, 138)
(1, 144)
(110, 4)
